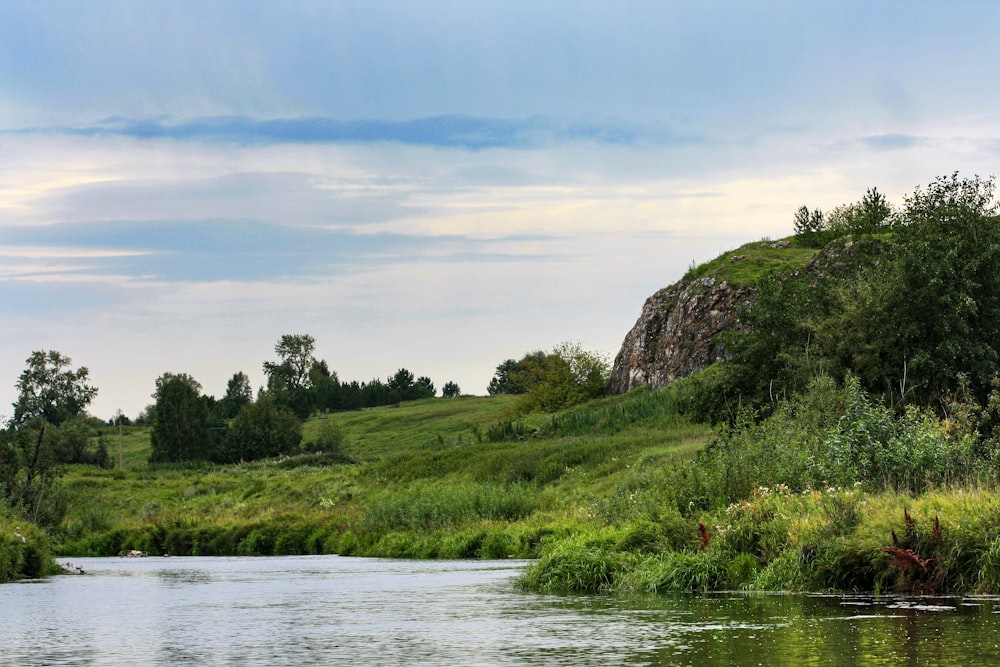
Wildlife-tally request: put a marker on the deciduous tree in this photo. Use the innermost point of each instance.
(288, 379)
(180, 421)
(260, 430)
(49, 394)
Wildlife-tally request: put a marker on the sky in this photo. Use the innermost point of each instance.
(436, 185)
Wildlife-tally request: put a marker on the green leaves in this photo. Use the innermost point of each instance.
(260, 431)
(180, 421)
(48, 388)
(549, 382)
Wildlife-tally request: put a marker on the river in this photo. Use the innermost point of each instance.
(328, 610)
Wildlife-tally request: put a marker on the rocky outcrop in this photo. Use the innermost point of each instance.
(677, 333)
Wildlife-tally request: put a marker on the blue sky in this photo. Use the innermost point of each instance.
(436, 185)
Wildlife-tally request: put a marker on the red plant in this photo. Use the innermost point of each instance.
(703, 535)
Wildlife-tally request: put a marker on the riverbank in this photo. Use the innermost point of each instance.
(25, 551)
(845, 540)
(619, 495)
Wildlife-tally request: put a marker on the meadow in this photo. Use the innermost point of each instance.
(621, 494)
(431, 478)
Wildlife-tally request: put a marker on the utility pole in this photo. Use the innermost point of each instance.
(121, 460)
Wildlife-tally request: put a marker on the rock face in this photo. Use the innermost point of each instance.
(677, 333)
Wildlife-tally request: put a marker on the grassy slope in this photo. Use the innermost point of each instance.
(422, 485)
(751, 263)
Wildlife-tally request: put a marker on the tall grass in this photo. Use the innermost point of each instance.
(25, 551)
(941, 542)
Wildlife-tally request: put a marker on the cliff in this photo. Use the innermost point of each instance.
(677, 333)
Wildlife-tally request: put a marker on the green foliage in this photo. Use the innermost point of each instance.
(25, 551)
(29, 473)
(834, 436)
(907, 301)
(947, 310)
(289, 380)
(450, 390)
(868, 216)
(329, 441)
(406, 388)
(48, 390)
(516, 376)
(569, 375)
(772, 350)
(808, 226)
(238, 394)
(180, 421)
(260, 430)
(587, 564)
(50, 395)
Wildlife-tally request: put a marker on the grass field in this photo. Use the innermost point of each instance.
(429, 478)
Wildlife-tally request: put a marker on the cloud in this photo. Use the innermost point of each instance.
(206, 251)
(891, 142)
(446, 131)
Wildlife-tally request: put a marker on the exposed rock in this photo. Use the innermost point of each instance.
(676, 334)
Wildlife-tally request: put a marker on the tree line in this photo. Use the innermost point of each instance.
(50, 427)
(189, 426)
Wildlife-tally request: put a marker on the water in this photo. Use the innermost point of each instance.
(327, 610)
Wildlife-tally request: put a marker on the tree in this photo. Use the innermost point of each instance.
(180, 421)
(450, 390)
(401, 383)
(77, 441)
(873, 212)
(406, 388)
(238, 393)
(49, 394)
(260, 430)
(423, 388)
(296, 360)
(808, 226)
(946, 305)
(50, 390)
(567, 376)
(326, 390)
(289, 380)
(515, 377)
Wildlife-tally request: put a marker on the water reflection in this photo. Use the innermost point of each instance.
(329, 610)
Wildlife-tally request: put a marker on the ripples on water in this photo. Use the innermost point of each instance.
(327, 610)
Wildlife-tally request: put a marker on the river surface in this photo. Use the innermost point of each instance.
(328, 610)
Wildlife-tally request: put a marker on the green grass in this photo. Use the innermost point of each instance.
(373, 433)
(609, 496)
(422, 481)
(25, 552)
(948, 542)
(752, 263)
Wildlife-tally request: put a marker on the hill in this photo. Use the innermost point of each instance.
(857, 393)
(429, 478)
